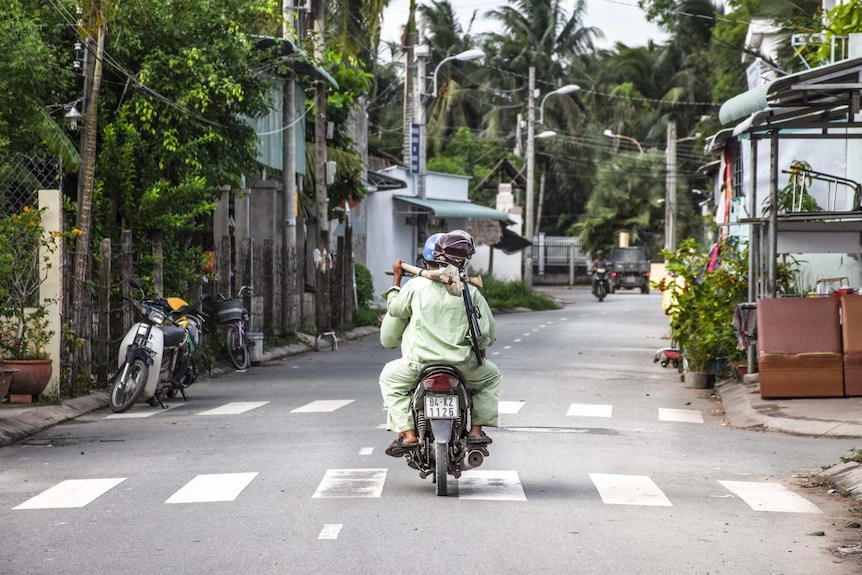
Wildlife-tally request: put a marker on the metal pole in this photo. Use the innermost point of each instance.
(421, 111)
(772, 253)
(670, 192)
(531, 159)
(289, 290)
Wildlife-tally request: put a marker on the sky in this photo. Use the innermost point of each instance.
(620, 20)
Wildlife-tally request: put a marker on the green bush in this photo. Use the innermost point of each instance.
(365, 315)
(513, 294)
(364, 286)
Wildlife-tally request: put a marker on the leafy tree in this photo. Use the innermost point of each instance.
(173, 120)
(37, 81)
(627, 197)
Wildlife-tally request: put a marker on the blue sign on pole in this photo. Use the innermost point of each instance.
(414, 148)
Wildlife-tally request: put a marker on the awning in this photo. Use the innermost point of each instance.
(378, 182)
(826, 88)
(455, 209)
(511, 242)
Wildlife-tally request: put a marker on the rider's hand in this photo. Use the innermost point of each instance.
(397, 272)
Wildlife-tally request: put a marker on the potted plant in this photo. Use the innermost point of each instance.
(702, 313)
(25, 248)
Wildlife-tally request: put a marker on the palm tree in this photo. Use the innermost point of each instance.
(541, 34)
(452, 106)
(627, 197)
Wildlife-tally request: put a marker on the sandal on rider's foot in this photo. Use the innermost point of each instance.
(398, 448)
(482, 439)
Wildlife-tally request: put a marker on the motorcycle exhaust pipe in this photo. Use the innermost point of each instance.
(472, 459)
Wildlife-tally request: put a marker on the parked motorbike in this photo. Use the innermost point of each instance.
(442, 404)
(602, 283)
(155, 359)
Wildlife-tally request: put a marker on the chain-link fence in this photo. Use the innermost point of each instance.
(21, 178)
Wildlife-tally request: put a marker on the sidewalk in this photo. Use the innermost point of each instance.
(743, 408)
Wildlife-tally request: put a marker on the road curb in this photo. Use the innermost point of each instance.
(38, 418)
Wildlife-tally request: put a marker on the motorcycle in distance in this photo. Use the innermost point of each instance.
(155, 359)
(602, 282)
(441, 403)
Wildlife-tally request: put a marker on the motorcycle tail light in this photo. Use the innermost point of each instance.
(613, 274)
(440, 382)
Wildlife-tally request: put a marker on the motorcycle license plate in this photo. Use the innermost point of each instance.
(441, 406)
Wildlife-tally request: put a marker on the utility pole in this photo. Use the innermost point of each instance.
(670, 190)
(531, 159)
(421, 53)
(321, 296)
(290, 285)
(408, 45)
(82, 315)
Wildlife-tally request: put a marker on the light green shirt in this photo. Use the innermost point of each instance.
(431, 324)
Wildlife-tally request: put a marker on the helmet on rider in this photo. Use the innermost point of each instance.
(600, 254)
(428, 248)
(455, 248)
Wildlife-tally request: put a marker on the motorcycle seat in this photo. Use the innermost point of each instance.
(173, 335)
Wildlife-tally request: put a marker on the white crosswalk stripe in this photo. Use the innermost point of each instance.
(71, 493)
(234, 408)
(629, 490)
(475, 484)
(510, 406)
(140, 411)
(212, 487)
(330, 531)
(491, 485)
(323, 406)
(770, 497)
(349, 483)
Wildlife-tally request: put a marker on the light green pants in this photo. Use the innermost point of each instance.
(398, 379)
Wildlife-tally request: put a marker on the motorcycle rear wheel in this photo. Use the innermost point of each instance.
(441, 460)
(236, 348)
(125, 392)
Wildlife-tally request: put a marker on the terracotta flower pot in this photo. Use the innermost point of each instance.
(32, 376)
(5, 380)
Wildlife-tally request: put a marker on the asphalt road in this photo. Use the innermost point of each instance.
(604, 464)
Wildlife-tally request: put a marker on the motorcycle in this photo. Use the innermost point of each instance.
(442, 404)
(602, 283)
(164, 337)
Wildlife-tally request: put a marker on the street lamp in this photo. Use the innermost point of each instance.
(472, 54)
(465, 56)
(610, 134)
(567, 89)
(531, 161)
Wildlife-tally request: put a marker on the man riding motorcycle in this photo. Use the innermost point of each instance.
(431, 325)
(599, 262)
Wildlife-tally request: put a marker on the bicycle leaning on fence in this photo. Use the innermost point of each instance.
(231, 314)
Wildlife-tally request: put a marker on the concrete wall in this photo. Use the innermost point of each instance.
(389, 236)
(51, 288)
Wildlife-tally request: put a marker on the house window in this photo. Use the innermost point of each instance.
(736, 173)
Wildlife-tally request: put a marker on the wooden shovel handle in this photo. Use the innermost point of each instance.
(433, 275)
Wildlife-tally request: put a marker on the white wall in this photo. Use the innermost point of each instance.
(388, 235)
(506, 267)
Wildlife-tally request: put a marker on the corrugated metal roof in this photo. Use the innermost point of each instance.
(455, 209)
(825, 88)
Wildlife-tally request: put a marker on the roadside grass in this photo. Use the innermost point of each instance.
(502, 295)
